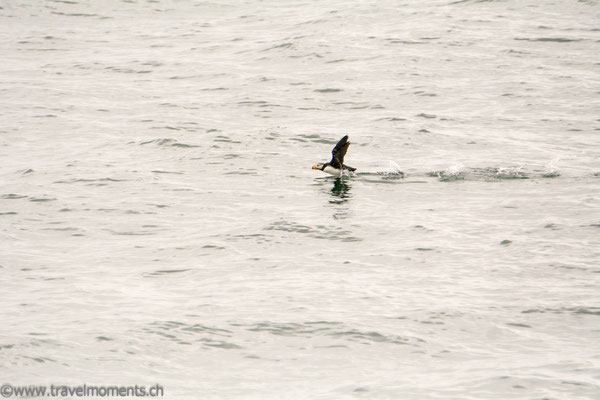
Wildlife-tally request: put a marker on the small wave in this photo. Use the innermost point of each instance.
(317, 232)
(42, 199)
(167, 271)
(13, 196)
(427, 116)
(327, 90)
(280, 46)
(547, 39)
(392, 119)
(98, 181)
(184, 333)
(128, 70)
(332, 330)
(573, 310)
(168, 142)
(75, 14)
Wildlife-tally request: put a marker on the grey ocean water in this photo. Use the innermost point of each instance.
(160, 221)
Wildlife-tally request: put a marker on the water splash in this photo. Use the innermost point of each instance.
(511, 173)
(392, 171)
(450, 174)
(551, 170)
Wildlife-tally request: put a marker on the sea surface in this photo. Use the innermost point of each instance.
(160, 221)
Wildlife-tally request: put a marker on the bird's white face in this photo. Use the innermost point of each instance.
(328, 169)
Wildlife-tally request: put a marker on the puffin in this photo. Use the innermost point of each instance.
(336, 165)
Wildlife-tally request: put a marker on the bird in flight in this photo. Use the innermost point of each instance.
(336, 165)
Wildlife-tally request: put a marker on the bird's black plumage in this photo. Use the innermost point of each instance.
(338, 153)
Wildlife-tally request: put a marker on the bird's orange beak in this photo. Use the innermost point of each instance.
(315, 166)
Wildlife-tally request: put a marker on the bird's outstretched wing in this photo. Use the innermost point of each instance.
(338, 152)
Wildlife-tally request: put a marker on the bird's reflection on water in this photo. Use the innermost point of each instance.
(340, 191)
